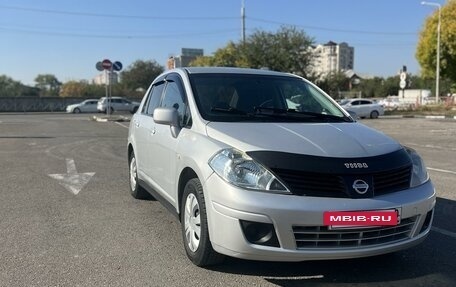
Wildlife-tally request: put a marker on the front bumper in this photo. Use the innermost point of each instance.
(227, 205)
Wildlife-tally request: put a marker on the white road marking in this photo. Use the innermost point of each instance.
(443, 231)
(121, 125)
(431, 146)
(72, 180)
(442, 170)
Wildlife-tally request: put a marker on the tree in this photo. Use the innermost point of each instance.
(9, 87)
(73, 89)
(48, 84)
(426, 52)
(230, 56)
(333, 83)
(140, 74)
(287, 50)
(12, 88)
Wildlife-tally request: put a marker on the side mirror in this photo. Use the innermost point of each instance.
(168, 116)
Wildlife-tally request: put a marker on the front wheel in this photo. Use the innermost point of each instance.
(194, 226)
(76, 111)
(374, 115)
(136, 190)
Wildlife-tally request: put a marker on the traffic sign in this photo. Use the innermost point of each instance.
(107, 64)
(402, 84)
(117, 66)
(99, 66)
(403, 76)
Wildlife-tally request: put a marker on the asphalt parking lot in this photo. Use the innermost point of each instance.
(93, 233)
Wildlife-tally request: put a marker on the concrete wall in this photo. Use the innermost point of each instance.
(37, 104)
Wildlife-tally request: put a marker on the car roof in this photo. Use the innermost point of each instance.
(229, 70)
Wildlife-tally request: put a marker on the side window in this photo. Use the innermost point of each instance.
(154, 98)
(355, 103)
(174, 99)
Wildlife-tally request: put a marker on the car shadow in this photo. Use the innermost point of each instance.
(432, 263)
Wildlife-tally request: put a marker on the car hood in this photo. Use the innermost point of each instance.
(318, 139)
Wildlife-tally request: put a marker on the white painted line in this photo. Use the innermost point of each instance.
(121, 125)
(72, 180)
(442, 170)
(444, 232)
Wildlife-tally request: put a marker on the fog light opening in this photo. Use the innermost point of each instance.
(260, 233)
(427, 220)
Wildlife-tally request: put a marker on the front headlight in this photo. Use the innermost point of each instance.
(240, 170)
(419, 171)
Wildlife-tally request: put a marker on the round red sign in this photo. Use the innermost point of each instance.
(107, 64)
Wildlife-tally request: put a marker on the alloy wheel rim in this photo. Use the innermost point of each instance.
(192, 222)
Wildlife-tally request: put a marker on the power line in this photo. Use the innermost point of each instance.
(105, 36)
(333, 29)
(62, 12)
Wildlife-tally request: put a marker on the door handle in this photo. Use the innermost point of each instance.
(137, 124)
(153, 131)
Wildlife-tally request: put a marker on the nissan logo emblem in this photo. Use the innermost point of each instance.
(360, 186)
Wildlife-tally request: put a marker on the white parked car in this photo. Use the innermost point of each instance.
(87, 106)
(264, 165)
(117, 104)
(363, 108)
(391, 103)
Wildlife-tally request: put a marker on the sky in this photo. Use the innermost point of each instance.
(67, 38)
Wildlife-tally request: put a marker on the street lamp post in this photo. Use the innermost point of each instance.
(437, 69)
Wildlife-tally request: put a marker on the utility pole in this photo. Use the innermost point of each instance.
(243, 21)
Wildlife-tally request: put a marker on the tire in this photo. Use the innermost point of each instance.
(76, 111)
(111, 111)
(374, 115)
(136, 190)
(195, 231)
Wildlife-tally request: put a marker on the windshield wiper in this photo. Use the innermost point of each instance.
(229, 110)
(296, 113)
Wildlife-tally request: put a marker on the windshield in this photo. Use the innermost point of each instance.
(242, 97)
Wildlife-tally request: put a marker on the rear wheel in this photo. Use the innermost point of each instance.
(194, 226)
(136, 190)
(374, 115)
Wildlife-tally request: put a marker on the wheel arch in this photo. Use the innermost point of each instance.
(129, 150)
(185, 175)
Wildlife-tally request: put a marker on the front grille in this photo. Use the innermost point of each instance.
(334, 185)
(391, 181)
(322, 237)
(312, 184)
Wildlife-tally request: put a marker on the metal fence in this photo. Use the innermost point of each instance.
(37, 104)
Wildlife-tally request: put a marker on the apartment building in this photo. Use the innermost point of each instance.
(332, 57)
